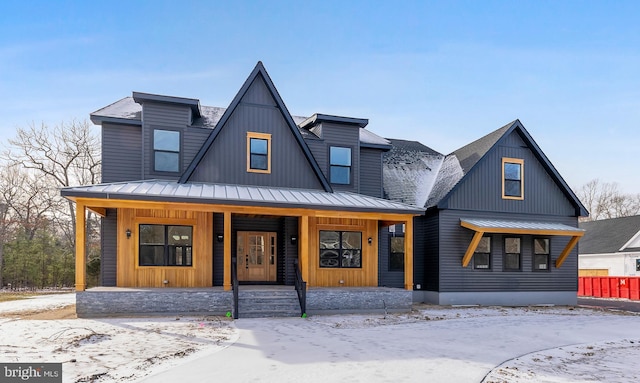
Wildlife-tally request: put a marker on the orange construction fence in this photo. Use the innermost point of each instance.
(609, 287)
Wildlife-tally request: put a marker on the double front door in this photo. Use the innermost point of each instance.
(256, 252)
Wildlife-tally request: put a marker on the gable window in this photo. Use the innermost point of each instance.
(482, 255)
(166, 150)
(512, 178)
(165, 245)
(258, 152)
(340, 165)
(512, 254)
(341, 249)
(541, 252)
(396, 254)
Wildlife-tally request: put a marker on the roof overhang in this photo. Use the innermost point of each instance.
(192, 103)
(98, 120)
(497, 226)
(318, 118)
(271, 198)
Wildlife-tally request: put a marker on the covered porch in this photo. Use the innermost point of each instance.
(316, 215)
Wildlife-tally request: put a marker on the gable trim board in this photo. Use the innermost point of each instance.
(259, 70)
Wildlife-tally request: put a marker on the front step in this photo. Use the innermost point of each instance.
(266, 303)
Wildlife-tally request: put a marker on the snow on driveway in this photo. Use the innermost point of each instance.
(435, 344)
(432, 343)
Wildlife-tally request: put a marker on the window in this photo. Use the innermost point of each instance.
(482, 255)
(166, 150)
(165, 245)
(340, 163)
(341, 249)
(396, 255)
(512, 254)
(258, 152)
(541, 252)
(512, 178)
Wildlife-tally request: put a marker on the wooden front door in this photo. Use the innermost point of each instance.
(256, 251)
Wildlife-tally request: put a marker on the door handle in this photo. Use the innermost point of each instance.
(246, 263)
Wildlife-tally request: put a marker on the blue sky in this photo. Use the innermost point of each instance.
(440, 72)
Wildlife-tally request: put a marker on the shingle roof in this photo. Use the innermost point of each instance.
(409, 171)
(125, 109)
(608, 235)
(470, 154)
(226, 194)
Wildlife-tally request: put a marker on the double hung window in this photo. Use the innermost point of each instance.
(340, 165)
(166, 150)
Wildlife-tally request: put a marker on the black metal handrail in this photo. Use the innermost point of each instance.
(234, 284)
(301, 288)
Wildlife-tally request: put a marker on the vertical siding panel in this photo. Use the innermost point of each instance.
(108, 259)
(371, 172)
(455, 239)
(218, 249)
(226, 160)
(346, 136)
(482, 188)
(121, 152)
(162, 116)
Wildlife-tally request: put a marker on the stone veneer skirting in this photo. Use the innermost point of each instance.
(108, 302)
(357, 300)
(105, 302)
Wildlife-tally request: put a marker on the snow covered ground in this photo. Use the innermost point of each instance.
(438, 344)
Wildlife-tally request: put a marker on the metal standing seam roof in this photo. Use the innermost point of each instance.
(172, 191)
(510, 225)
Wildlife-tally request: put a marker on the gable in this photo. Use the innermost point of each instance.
(610, 235)
(256, 109)
(481, 187)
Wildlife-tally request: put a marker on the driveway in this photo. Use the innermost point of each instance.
(437, 344)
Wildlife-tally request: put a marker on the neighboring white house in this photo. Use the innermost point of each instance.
(610, 247)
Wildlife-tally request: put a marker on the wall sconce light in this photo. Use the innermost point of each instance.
(369, 240)
(220, 237)
(294, 239)
(128, 232)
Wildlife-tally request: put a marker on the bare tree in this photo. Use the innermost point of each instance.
(604, 200)
(65, 155)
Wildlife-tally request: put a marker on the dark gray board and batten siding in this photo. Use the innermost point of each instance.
(481, 189)
(121, 152)
(226, 159)
(108, 256)
(371, 172)
(347, 136)
(454, 240)
(170, 117)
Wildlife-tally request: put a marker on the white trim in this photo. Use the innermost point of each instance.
(630, 241)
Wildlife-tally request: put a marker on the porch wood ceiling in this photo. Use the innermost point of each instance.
(491, 226)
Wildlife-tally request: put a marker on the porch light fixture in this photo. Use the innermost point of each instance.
(128, 232)
(220, 237)
(294, 239)
(369, 240)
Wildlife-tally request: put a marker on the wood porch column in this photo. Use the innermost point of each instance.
(304, 248)
(227, 251)
(408, 254)
(81, 248)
